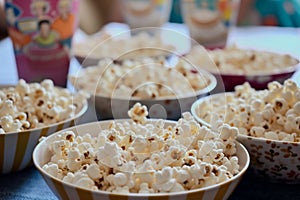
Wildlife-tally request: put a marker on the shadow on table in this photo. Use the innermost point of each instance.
(26, 184)
(254, 187)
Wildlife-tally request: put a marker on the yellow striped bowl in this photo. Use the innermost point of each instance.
(63, 190)
(16, 147)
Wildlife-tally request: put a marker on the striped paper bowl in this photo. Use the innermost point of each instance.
(16, 148)
(63, 190)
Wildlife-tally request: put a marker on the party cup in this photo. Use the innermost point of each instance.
(41, 32)
(146, 13)
(210, 20)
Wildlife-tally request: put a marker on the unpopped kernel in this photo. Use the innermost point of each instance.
(28, 106)
(144, 156)
(145, 78)
(273, 113)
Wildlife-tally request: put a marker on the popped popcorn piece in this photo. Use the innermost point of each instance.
(85, 182)
(273, 113)
(228, 132)
(271, 135)
(93, 171)
(53, 170)
(69, 178)
(147, 157)
(33, 105)
(110, 155)
(181, 175)
(120, 179)
(257, 131)
(138, 113)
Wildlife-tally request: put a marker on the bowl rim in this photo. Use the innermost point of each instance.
(212, 84)
(286, 70)
(196, 104)
(168, 49)
(36, 150)
(264, 140)
(136, 53)
(82, 110)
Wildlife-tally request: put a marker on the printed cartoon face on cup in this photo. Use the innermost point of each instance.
(41, 32)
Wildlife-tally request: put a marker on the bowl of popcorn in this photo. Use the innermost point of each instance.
(268, 122)
(139, 43)
(142, 158)
(166, 90)
(234, 66)
(29, 111)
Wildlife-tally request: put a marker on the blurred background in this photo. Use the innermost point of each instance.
(96, 13)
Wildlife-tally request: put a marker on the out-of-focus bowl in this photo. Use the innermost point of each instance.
(16, 147)
(228, 79)
(130, 44)
(90, 60)
(275, 160)
(166, 90)
(258, 82)
(63, 190)
(167, 107)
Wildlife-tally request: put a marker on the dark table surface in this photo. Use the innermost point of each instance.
(29, 184)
